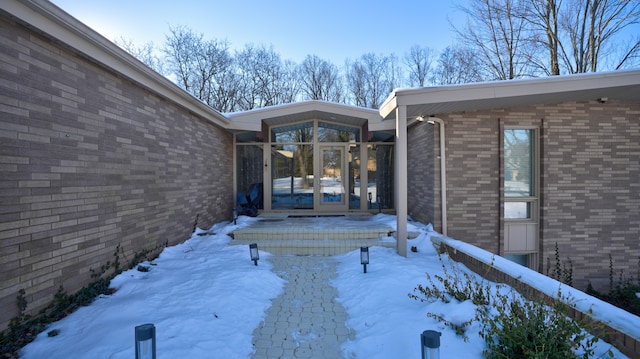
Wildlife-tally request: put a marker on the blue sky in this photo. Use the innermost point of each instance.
(335, 30)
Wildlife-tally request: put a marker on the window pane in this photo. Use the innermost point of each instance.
(354, 177)
(292, 177)
(518, 163)
(517, 210)
(298, 132)
(249, 165)
(380, 166)
(330, 132)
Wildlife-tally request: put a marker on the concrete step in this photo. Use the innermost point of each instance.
(324, 247)
(310, 233)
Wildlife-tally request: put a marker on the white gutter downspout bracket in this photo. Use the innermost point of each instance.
(443, 172)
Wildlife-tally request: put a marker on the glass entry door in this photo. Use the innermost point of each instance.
(332, 189)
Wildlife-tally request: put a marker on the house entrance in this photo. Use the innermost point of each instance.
(333, 186)
(317, 166)
(309, 166)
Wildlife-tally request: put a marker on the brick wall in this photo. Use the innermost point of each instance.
(590, 182)
(591, 187)
(473, 180)
(90, 161)
(421, 173)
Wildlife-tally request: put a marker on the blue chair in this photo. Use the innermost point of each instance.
(248, 204)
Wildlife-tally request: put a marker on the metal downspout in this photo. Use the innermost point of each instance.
(443, 173)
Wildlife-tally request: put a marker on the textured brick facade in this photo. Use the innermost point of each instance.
(589, 182)
(90, 161)
(422, 173)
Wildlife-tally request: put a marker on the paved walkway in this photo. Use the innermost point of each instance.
(305, 321)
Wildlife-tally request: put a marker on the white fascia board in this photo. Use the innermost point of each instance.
(382, 126)
(304, 106)
(257, 115)
(389, 105)
(55, 22)
(508, 89)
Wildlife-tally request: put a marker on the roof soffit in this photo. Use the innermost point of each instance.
(619, 85)
(303, 111)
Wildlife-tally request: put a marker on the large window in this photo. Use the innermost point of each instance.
(519, 173)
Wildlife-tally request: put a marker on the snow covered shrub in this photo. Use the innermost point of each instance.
(454, 284)
(514, 327)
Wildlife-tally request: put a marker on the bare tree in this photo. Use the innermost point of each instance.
(371, 78)
(290, 82)
(590, 26)
(147, 53)
(419, 61)
(498, 31)
(320, 80)
(544, 16)
(631, 56)
(457, 65)
(579, 34)
(201, 67)
(266, 80)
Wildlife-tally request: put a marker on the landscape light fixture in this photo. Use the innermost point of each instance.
(370, 197)
(364, 257)
(430, 340)
(253, 251)
(145, 341)
(235, 215)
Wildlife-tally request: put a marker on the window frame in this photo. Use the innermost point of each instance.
(532, 200)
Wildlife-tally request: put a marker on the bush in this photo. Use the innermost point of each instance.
(622, 294)
(514, 327)
(511, 326)
(24, 328)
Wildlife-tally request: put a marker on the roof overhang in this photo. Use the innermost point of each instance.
(307, 110)
(433, 101)
(52, 21)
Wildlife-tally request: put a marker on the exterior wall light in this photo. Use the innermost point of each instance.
(430, 340)
(364, 257)
(145, 341)
(253, 251)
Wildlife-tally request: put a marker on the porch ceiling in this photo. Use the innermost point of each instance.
(304, 111)
(315, 115)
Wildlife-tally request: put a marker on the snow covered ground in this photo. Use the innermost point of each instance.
(206, 297)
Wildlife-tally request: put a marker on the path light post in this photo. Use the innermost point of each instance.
(235, 215)
(364, 257)
(430, 340)
(253, 251)
(145, 341)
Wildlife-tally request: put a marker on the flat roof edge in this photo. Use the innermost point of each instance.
(509, 89)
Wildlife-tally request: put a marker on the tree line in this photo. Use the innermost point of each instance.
(501, 40)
